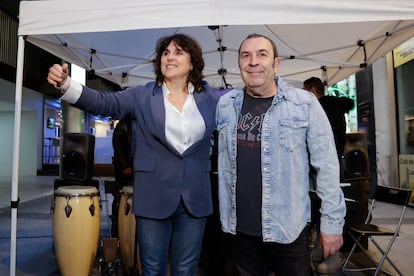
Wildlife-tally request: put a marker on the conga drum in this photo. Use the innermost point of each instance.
(126, 231)
(76, 222)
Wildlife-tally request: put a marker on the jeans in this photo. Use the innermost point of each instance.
(253, 257)
(179, 235)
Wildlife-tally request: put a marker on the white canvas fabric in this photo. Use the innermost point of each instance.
(116, 39)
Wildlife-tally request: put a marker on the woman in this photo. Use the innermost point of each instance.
(173, 120)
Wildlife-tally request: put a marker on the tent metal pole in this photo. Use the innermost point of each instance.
(16, 150)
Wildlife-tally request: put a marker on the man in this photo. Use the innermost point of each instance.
(269, 133)
(335, 108)
(122, 162)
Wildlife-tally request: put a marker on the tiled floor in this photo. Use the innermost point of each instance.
(35, 253)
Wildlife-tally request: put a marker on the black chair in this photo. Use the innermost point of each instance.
(391, 195)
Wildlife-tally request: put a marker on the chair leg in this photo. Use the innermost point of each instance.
(357, 243)
(349, 257)
(378, 265)
(385, 256)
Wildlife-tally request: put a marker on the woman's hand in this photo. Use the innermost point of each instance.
(58, 75)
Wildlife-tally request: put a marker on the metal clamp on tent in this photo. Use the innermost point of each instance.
(14, 204)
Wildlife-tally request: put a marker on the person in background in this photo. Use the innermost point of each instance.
(335, 108)
(123, 168)
(173, 119)
(269, 134)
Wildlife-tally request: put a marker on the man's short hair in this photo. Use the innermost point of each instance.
(255, 35)
(315, 82)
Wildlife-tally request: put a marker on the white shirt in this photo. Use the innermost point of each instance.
(183, 129)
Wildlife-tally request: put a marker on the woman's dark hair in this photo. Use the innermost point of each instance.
(190, 46)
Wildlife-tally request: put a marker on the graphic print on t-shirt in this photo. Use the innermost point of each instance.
(249, 177)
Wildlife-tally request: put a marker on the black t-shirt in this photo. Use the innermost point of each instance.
(249, 176)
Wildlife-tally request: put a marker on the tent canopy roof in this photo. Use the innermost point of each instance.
(116, 39)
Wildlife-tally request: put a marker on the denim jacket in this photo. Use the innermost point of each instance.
(295, 133)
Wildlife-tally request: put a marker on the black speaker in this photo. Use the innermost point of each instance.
(78, 153)
(355, 162)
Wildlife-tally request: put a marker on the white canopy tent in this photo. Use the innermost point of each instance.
(116, 39)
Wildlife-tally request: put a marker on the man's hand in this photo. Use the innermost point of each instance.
(58, 75)
(330, 244)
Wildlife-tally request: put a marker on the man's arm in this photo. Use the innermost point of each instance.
(324, 159)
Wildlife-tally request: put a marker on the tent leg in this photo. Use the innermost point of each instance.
(16, 149)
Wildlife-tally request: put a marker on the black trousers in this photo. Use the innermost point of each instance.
(253, 257)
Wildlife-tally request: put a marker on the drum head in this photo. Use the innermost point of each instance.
(127, 189)
(76, 190)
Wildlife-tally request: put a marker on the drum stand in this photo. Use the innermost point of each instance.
(109, 263)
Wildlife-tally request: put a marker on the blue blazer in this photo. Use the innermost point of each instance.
(162, 176)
